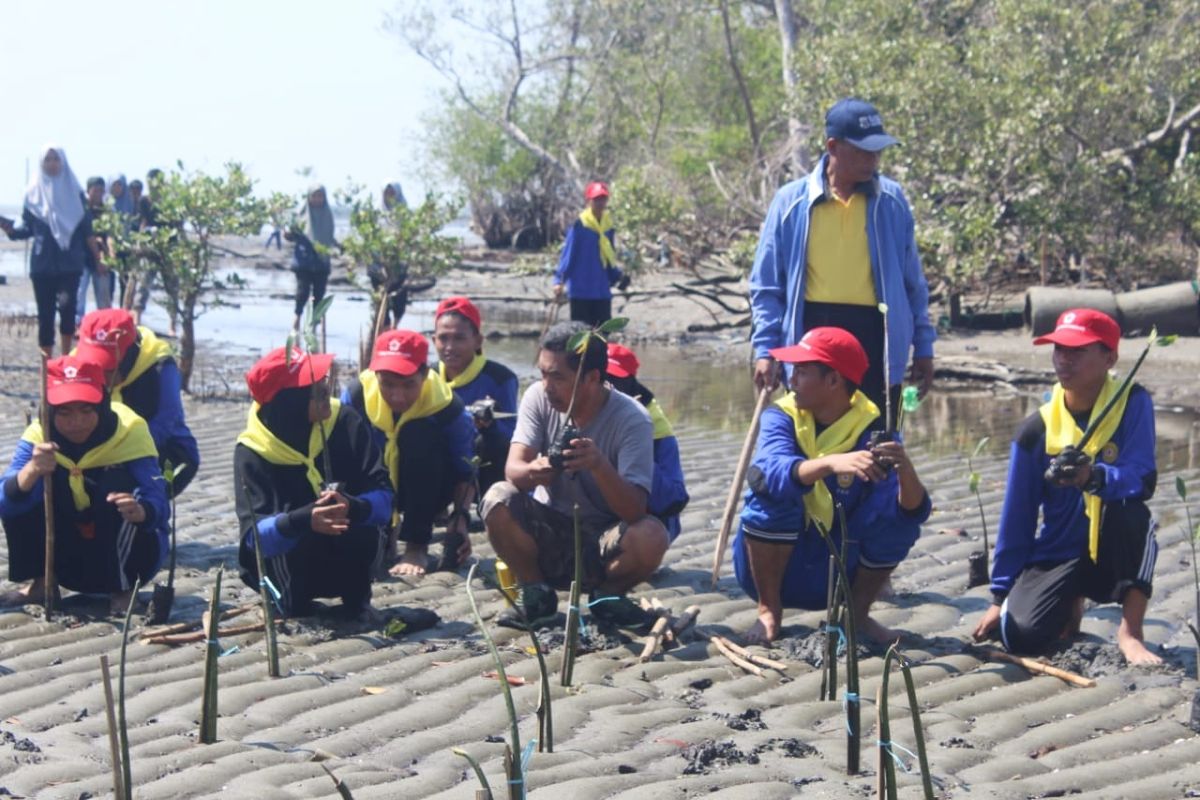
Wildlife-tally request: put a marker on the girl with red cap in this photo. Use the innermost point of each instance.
(312, 481)
(110, 504)
(487, 388)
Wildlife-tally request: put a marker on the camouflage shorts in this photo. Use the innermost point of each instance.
(554, 534)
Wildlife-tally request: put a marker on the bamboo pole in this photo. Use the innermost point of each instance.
(110, 714)
(739, 476)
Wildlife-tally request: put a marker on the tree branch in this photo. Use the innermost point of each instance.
(1171, 126)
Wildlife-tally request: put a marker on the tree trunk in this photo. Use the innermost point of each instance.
(797, 132)
(751, 122)
(187, 340)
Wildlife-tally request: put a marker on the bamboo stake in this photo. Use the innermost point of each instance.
(122, 725)
(181, 627)
(268, 613)
(212, 650)
(49, 580)
(739, 476)
(734, 657)
(110, 714)
(198, 636)
(573, 612)
(654, 639)
(754, 658)
(338, 783)
(1035, 666)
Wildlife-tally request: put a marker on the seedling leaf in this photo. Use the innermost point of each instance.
(613, 325)
(1181, 488)
(1167, 341)
(320, 309)
(973, 484)
(979, 447)
(578, 342)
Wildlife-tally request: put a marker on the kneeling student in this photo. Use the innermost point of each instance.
(143, 375)
(813, 454)
(110, 503)
(1096, 537)
(428, 442)
(309, 477)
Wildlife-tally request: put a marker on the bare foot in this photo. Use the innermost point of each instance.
(33, 592)
(867, 628)
(414, 562)
(1134, 650)
(118, 602)
(765, 630)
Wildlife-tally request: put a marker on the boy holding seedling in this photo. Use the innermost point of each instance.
(1096, 538)
(813, 454)
(578, 445)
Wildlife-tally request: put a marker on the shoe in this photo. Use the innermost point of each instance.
(537, 605)
(619, 611)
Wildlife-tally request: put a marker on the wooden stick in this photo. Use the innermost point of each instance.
(654, 638)
(118, 782)
(200, 636)
(735, 489)
(1039, 667)
(686, 621)
(551, 317)
(181, 627)
(49, 579)
(734, 657)
(754, 658)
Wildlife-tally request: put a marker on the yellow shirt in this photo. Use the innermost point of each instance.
(839, 259)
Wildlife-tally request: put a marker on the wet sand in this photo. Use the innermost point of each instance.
(687, 724)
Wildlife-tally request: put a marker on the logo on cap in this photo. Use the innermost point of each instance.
(870, 121)
(394, 345)
(1069, 317)
(70, 372)
(100, 335)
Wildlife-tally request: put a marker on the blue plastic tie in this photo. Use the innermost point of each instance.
(527, 754)
(887, 748)
(579, 612)
(275, 595)
(841, 648)
(230, 651)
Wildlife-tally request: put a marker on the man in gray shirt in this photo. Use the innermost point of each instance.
(606, 468)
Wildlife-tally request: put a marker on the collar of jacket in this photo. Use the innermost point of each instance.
(818, 188)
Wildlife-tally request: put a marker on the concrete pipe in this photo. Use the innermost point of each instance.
(1174, 308)
(1043, 304)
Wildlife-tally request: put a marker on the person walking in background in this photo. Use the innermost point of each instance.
(835, 244)
(57, 220)
(311, 264)
(389, 279)
(135, 195)
(149, 219)
(122, 200)
(276, 237)
(587, 268)
(95, 272)
(393, 196)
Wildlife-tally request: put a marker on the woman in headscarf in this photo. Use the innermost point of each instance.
(122, 200)
(110, 504)
(389, 279)
(311, 264)
(56, 218)
(309, 476)
(393, 196)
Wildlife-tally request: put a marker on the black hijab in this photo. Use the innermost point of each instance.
(104, 431)
(286, 416)
(631, 387)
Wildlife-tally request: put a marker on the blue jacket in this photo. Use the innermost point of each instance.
(1130, 475)
(155, 397)
(668, 494)
(499, 383)
(580, 267)
(781, 263)
(46, 258)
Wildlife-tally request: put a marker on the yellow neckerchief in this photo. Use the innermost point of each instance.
(1061, 430)
(608, 256)
(840, 437)
(130, 441)
(662, 425)
(435, 395)
(259, 439)
(152, 350)
(467, 375)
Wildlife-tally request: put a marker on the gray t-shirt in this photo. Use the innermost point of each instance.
(623, 432)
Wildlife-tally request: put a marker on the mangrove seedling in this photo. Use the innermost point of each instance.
(853, 714)
(571, 639)
(340, 785)
(979, 569)
(111, 717)
(264, 589)
(314, 315)
(212, 651)
(122, 724)
(1193, 533)
(483, 781)
(164, 596)
(887, 755)
(516, 780)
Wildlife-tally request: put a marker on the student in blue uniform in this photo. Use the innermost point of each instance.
(476, 380)
(428, 443)
(1096, 538)
(668, 494)
(587, 267)
(812, 455)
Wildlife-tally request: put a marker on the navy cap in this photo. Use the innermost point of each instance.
(857, 122)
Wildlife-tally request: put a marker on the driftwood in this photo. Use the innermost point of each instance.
(182, 627)
(723, 645)
(654, 638)
(1039, 667)
(200, 636)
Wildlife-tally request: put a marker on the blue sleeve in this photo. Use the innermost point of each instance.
(12, 500)
(151, 492)
(1134, 472)
(776, 457)
(917, 289)
(768, 282)
(1018, 518)
(461, 433)
(562, 274)
(381, 502)
(273, 542)
(344, 397)
(668, 492)
(169, 425)
(885, 530)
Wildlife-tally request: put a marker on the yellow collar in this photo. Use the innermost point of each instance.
(467, 375)
(259, 439)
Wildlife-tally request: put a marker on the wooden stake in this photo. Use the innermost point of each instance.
(199, 636)
(739, 476)
(1039, 667)
(654, 638)
(685, 621)
(753, 658)
(118, 783)
(181, 627)
(49, 579)
(734, 657)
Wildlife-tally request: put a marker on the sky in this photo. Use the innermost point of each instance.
(126, 85)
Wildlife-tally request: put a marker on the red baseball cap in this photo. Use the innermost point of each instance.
(622, 362)
(105, 336)
(460, 305)
(833, 347)
(402, 352)
(72, 379)
(595, 189)
(1079, 327)
(276, 371)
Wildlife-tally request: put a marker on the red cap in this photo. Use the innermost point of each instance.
(1079, 327)
(833, 347)
(595, 189)
(460, 305)
(621, 361)
(105, 336)
(72, 379)
(276, 371)
(402, 352)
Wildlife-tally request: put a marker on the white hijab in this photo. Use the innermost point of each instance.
(57, 201)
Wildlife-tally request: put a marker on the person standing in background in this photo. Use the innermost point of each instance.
(587, 268)
(95, 272)
(311, 265)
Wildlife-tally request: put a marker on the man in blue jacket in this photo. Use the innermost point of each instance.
(1096, 538)
(587, 268)
(813, 455)
(833, 247)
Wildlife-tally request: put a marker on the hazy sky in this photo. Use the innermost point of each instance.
(126, 85)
